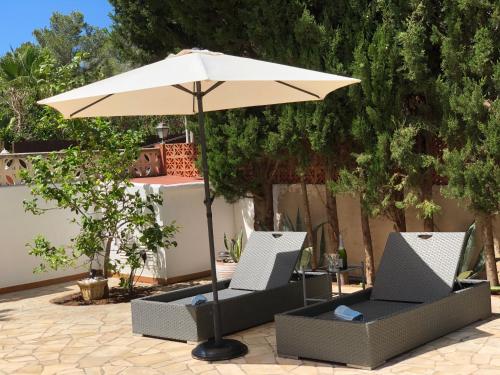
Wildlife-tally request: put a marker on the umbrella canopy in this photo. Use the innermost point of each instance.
(167, 87)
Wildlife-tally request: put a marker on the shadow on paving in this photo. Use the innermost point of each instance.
(37, 292)
(470, 332)
(5, 314)
(467, 333)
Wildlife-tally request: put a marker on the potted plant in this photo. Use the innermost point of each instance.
(91, 180)
(226, 264)
(93, 287)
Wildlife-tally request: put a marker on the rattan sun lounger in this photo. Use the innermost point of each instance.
(415, 299)
(260, 288)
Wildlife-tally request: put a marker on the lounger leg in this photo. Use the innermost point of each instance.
(365, 367)
(288, 356)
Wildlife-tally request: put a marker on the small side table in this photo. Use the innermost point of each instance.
(337, 272)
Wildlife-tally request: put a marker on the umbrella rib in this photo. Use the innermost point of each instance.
(182, 88)
(213, 87)
(299, 89)
(90, 105)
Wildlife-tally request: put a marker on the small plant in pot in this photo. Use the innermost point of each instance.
(226, 264)
(91, 180)
(93, 287)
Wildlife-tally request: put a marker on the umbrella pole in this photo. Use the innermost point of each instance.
(218, 349)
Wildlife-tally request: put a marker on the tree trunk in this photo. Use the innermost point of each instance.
(368, 246)
(427, 195)
(331, 210)
(399, 214)
(489, 249)
(399, 220)
(263, 209)
(130, 285)
(308, 223)
(424, 146)
(105, 266)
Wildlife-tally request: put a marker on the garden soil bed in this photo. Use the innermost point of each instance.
(120, 295)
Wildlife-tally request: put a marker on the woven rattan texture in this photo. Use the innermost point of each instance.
(223, 294)
(301, 334)
(268, 260)
(160, 316)
(373, 310)
(418, 267)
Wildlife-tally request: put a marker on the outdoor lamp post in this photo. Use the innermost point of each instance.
(162, 131)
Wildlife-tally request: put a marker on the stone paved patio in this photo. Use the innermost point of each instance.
(37, 337)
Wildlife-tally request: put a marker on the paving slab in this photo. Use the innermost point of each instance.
(38, 337)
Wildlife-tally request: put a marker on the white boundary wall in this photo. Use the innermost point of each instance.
(451, 218)
(183, 204)
(17, 228)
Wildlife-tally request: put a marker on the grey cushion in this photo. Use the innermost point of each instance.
(268, 260)
(373, 310)
(223, 294)
(418, 267)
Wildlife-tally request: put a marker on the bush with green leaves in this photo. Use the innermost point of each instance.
(92, 181)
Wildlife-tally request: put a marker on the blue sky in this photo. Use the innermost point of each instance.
(19, 18)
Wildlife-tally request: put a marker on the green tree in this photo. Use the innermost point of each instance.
(92, 181)
(19, 74)
(28, 74)
(469, 90)
(243, 159)
(415, 143)
(397, 117)
(69, 34)
(69, 53)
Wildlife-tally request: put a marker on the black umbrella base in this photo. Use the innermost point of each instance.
(225, 349)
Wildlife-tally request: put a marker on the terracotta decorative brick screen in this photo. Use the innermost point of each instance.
(10, 167)
(149, 164)
(180, 159)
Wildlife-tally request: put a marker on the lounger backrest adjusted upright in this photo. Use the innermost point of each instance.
(418, 267)
(268, 260)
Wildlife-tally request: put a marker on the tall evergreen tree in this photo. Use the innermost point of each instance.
(470, 87)
(376, 63)
(421, 109)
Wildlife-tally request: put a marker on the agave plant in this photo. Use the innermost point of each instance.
(288, 225)
(234, 246)
(472, 261)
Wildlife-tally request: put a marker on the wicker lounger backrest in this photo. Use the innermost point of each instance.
(418, 267)
(268, 260)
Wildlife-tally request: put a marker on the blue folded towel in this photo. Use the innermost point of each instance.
(345, 313)
(198, 299)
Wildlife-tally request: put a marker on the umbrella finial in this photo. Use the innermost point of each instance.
(193, 50)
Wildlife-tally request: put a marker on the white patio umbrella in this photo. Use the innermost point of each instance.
(194, 82)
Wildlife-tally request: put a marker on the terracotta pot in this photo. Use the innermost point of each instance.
(92, 289)
(225, 270)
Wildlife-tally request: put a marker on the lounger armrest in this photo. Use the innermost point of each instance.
(322, 307)
(188, 292)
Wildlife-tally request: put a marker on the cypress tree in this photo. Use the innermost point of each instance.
(469, 89)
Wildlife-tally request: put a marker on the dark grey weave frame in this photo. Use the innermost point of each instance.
(155, 316)
(300, 334)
